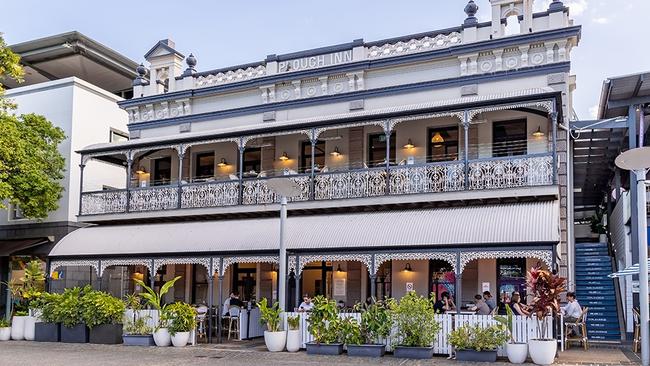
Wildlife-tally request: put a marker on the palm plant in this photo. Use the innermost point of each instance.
(155, 299)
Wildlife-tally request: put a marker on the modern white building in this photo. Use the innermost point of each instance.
(75, 83)
(434, 162)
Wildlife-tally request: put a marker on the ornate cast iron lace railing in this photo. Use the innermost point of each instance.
(350, 184)
(435, 177)
(257, 191)
(491, 173)
(511, 172)
(210, 194)
(103, 202)
(153, 198)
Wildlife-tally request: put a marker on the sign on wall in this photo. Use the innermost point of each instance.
(313, 62)
(339, 287)
(409, 286)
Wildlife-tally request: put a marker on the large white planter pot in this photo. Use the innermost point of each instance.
(517, 352)
(5, 334)
(180, 339)
(162, 338)
(542, 351)
(18, 328)
(294, 340)
(30, 328)
(275, 341)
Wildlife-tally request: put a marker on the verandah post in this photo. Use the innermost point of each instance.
(181, 156)
(312, 175)
(81, 184)
(129, 163)
(554, 147)
(465, 124)
(241, 170)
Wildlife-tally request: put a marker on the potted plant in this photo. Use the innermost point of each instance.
(274, 338)
(69, 312)
(477, 343)
(376, 324)
(103, 314)
(5, 330)
(294, 336)
(161, 334)
(546, 289)
(137, 331)
(48, 329)
(324, 325)
(182, 320)
(517, 351)
(26, 289)
(417, 327)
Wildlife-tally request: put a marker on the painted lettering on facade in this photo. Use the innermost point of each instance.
(313, 62)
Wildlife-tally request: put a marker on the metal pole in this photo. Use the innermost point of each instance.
(465, 124)
(210, 302)
(81, 184)
(282, 271)
(8, 303)
(181, 156)
(642, 220)
(219, 311)
(129, 163)
(554, 147)
(312, 172)
(388, 132)
(241, 174)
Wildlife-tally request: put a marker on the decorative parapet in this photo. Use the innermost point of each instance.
(231, 76)
(162, 110)
(415, 45)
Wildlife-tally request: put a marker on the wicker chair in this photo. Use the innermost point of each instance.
(581, 325)
(637, 330)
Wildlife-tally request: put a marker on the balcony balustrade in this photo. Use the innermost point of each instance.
(452, 176)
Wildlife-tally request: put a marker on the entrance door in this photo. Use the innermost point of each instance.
(511, 276)
(245, 281)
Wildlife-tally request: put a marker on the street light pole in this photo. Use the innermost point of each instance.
(638, 161)
(282, 275)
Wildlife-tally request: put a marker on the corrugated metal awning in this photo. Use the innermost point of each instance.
(517, 223)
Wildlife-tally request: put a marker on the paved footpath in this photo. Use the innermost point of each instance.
(61, 354)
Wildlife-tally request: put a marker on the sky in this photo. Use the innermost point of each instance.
(227, 33)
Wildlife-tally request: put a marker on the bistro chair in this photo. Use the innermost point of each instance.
(580, 325)
(233, 323)
(201, 317)
(637, 330)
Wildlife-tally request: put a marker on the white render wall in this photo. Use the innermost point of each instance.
(85, 113)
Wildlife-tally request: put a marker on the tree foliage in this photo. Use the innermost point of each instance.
(30, 163)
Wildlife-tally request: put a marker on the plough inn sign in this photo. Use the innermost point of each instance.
(312, 62)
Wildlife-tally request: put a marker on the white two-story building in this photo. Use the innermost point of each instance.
(434, 162)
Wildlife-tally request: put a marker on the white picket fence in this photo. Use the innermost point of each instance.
(524, 329)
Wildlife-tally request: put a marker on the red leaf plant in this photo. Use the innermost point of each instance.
(546, 288)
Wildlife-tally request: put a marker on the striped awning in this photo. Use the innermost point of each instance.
(516, 223)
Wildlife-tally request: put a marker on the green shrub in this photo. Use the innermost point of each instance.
(293, 322)
(4, 323)
(478, 338)
(270, 315)
(182, 317)
(101, 308)
(415, 319)
(138, 326)
(48, 304)
(351, 331)
(324, 322)
(376, 322)
(69, 309)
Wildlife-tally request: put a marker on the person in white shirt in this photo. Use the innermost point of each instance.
(306, 304)
(572, 310)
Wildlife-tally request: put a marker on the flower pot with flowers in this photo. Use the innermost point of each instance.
(546, 289)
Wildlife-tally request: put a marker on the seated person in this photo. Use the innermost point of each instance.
(445, 304)
(517, 307)
(234, 299)
(489, 300)
(481, 307)
(306, 304)
(572, 311)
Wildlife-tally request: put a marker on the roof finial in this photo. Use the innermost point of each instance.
(556, 5)
(142, 72)
(471, 9)
(191, 62)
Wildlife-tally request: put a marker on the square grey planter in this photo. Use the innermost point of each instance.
(47, 332)
(138, 340)
(76, 334)
(366, 350)
(106, 334)
(418, 353)
(324, 349)
(480, 356)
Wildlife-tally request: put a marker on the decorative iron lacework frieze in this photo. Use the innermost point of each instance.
(381, 258)
(204, 261)
(228, 261)
(55, 264)
(547, 105)
(427, 179)
(210, 194)
(103, 202)
(292, 262)
(303, 260)
(415, 45)
(510, 172)
(105, 263)
(544, 255)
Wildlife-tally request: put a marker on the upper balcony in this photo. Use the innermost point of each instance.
(413, 158)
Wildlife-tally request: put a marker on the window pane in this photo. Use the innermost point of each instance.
(205, 165)
(253, 159)
(162, 171)
(443, 144)
(510, 138)
(377, 149)
(305, 156)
